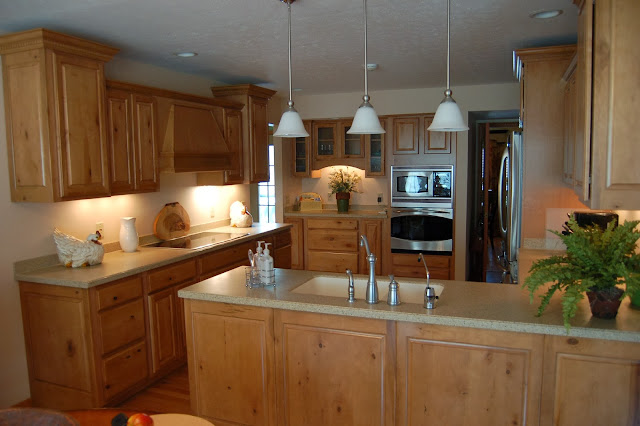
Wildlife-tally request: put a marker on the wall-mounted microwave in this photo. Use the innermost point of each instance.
(422, 186)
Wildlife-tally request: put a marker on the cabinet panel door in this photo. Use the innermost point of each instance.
(352, 146)
(297, 242)
(121, 325)
(231, 363)
(80, 87)
(259, 140)
(146, 156)
(406, 135)
(332, 239)
(334, 370)
(233, 130)
(325, 140)
(124, 369)
(301, 151)
(464, 376)
(589, 381)
(120, 142)
(375, 153)
(164, 328)
(372, 229)
(331, 261)
(437, 142)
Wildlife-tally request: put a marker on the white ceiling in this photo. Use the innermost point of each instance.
(245, 41)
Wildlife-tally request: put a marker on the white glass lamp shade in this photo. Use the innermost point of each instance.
(290, 125)
(448, 117)
(366, 121)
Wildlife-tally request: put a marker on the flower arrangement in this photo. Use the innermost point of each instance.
(344, 181)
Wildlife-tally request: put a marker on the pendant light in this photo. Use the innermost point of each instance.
(448, 117)
(366, 121)
(290, 125)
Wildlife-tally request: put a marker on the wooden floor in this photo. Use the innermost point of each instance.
(169, 395)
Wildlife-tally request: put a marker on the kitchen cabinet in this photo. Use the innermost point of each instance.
(615, 177)
(375, 154)
(455, 375)
(333, 370)
(570, 140)
(97, 352)
(372, 229)
(410, 265)
(252, 165)
(301, 149)
(132, 139)
(297, 241)
(54, 96)
(325, 140)
(166, 315)
(231, 363)
(412, 137)
(586, 381)
(331, 245)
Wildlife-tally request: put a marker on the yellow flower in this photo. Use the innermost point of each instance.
(343, 181)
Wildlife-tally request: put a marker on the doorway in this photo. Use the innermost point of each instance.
(489, 134)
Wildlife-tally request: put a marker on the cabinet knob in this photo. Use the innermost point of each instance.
(133, 316)
(115, 297)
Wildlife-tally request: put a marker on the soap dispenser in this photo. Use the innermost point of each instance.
(257, 260)
(393, 298)
(267, 272)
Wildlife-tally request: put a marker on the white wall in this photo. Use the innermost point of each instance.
(27, 227)
(495, 97)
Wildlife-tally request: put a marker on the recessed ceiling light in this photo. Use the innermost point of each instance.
(186, 54)
(546, 14)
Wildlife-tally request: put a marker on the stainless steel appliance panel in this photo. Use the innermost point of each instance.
(422, 230)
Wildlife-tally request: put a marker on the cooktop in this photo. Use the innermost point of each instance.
(200, 240)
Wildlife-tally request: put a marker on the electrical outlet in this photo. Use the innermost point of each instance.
(100, 228)
(329, 194)
(380, 198)
(212, 212)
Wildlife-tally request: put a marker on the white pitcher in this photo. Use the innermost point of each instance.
(128, 234)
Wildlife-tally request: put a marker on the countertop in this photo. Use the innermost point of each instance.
(366, 213)
(465, 304)
(118, 264)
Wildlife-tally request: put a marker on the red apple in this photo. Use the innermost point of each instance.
(140, 419)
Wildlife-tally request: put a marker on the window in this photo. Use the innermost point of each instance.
(267, 193)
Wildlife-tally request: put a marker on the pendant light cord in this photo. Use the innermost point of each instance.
(448, 46)
(366, 91)
(290, 96)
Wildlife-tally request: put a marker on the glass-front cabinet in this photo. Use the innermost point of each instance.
(374, 153)
(352, 145)
(301, 153)
(325, 140)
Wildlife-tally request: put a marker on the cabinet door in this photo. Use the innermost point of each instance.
(145, 152)
(374, 153)
(163, 325)
(233, 131)
(406, 135)
(351, 146)
(615, 172)
(121, 143)
(82, 129)
(297, 242)
(259, 137)
(569, 130)
(437, 142)
(588, 381)
(372, 229)
(325, 140)
(464, 376)
(231, 363)
(301, 148)
(334, 370)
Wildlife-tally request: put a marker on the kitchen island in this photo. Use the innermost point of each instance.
(273, 356)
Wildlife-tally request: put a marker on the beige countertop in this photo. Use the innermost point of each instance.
(366, 213)
(118, 264)
(464, 304)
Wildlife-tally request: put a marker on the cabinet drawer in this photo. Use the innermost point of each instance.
(413, 260)
(121, 325)
(332, 262)
(332, 224)
(232, 255)
(124, 369)
(172, 274)
(333, 240)
(419, 272)
(282, 239)
(116, 293)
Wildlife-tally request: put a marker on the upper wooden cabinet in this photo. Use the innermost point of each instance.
(411, 136)
(252, 165)
(54, 96)
(301, 148)
(132, 139)
(374, 153)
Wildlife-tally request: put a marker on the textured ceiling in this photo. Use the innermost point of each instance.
(245, 41)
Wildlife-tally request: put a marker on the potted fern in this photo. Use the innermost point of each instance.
(597, 262)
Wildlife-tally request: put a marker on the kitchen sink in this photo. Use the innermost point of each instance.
(411, 289)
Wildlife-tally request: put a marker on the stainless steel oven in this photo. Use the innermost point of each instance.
(422, 209)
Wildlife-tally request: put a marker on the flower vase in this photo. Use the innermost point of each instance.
(342, 198)
(128, 234)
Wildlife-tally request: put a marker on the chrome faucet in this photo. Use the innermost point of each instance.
(371, 295)
(351, 290)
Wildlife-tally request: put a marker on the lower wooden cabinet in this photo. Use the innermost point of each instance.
(410, 265)
(465, 376)
(231, 363)
(589, 381)
(297, 241)
(334, 370)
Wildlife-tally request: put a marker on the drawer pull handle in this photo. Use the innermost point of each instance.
(115, 297)
(128, 356)
(108, 387)
(133, 316)
(139, 350)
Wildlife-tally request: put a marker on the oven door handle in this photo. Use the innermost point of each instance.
(419, 211)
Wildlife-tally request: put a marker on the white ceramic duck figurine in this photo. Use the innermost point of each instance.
(239, 215)
(74, 253)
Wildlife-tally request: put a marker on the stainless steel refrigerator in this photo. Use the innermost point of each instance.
(510, 206)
